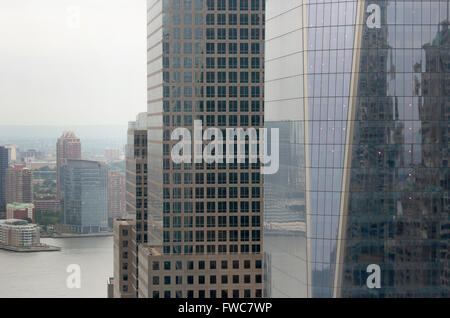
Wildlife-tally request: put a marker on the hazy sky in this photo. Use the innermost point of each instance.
(58, 67)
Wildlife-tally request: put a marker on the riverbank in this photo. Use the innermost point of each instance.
(73, 235)
(33, 249)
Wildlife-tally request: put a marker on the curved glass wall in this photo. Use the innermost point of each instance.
(369, 84)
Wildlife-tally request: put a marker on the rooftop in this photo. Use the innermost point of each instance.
(20, 206)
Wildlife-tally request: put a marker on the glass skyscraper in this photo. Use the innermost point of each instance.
(360, 91)
(85, 186)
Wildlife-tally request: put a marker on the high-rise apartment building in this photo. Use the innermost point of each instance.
(68, 146)
(19, 188)
(85, 195)
(116, 194)
(360, 91)
(205, 63)
(4, 162)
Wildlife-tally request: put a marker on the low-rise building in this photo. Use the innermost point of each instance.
(47, 205)
(20, 211)
(19, 233)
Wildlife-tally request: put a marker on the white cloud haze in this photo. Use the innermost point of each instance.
(53, 73)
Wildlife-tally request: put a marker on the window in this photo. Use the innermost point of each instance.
(210, 48)
(210, 5)
(224, 264)
(243, 19)
(255, 5)
(243, 5)
(243, 47)
(243, 62)
(232, 48)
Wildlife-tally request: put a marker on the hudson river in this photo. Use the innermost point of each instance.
(44, 274)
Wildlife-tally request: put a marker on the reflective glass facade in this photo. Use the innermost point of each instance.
(85, 185)
(370, 93)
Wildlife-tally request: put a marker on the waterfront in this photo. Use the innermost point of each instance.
(44, 274)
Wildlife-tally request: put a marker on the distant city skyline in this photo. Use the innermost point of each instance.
(72, 76)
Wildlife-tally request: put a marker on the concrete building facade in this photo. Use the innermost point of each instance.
(205, 63)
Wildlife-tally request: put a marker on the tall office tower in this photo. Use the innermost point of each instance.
(205, 63)
(13, 152)
(132, 229)
(85, 196)
(3, 166)
(360, 93)
(19, 188)
(67, 147)
(116, 194)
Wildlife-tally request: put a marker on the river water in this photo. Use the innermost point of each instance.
(44, 274)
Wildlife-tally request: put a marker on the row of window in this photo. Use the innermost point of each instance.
(244, 178)
(212, 236)
(201, 265)
(211, 63)
(201, 280)
(255, 34)
(222, 92)
(211, 207)
(213, 77)
(167, 164)
(187, 120)
(222, 121)
(211, 249)
(212, 294)
(211, 5)
(232, 5)
(231, 106)
(221, 193)
(221, 19)
(212, 221)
